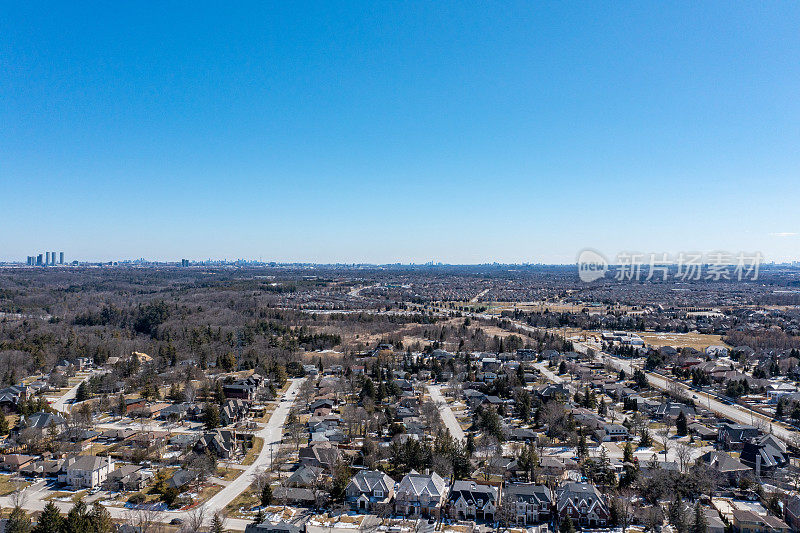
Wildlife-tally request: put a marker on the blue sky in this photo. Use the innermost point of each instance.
(384, 132)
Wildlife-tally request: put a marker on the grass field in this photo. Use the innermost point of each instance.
(252, 453)
(7, 486)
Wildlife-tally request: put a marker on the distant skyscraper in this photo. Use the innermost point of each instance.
(47, 258)
(39, 260)
(52, 258)
(60, 258)
(185, 262)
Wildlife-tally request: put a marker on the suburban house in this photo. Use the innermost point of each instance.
(612, 432)
(729, 467)
(42, 424)
(14, 462)
(128, 478)
(750, 522)
(531, 503)
(268, 527)
(764, 454)
(583, 503)
(420, 495)
(181, 478)
(87, 471)
(369, 488)
(733, 436)
(305, 476)
(323, 455)
(469, 500)
(793, 512)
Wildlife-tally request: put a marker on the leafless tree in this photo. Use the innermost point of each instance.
(147, 520)
(194, 521)
(664, 435)
(684, 453)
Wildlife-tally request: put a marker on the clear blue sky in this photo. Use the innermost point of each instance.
(391, 131)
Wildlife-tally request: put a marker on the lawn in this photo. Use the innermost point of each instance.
(7, 486)
(228, 474)
(246, 500)
(252, 453)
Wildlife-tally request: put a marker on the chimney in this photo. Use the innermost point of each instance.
(758, 463)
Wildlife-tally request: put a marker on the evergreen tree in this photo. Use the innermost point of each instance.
(217, 524)
(266, 495)
(211, 416)
(4, 427)
(121, 407)
(83, 392)
(100, 519)
(566, 526)
(50, 521)
(779, 409)
(18, 521)
(681, 425)
(646, 440)
(78, 519)
(700, 524)
(627, 453)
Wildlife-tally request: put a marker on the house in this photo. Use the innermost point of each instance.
(233, 411)
(702, 431)
(731, 468)
(295, 496)
(750, 522)
(268, 527)
(324, 455)
(42, 424)
(128, 478)
(220, 443)
(11, 396)
(764, 454)
(793, 512)
(134, 405)
(672, 410)
(305, 476)
(87, 471)
(369, 488)
(612, 432)
(553, 390)
(583, 503)
(470, 500)
(420, 495)
(243, 389)
(530, 503)
(733, 436)
(181, 478)
(174, 412)
(14, 462)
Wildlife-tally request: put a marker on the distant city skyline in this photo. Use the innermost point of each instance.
(383, 133)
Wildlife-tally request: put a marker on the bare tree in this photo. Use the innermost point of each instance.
(664, 435)
(684, 453)
(194, 521)
(147, 520)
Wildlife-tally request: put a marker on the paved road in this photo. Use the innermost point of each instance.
(735, 412)
(62, 405)
(271, 434)
(449, 419)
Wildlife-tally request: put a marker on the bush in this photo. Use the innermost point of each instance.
(137, 498)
